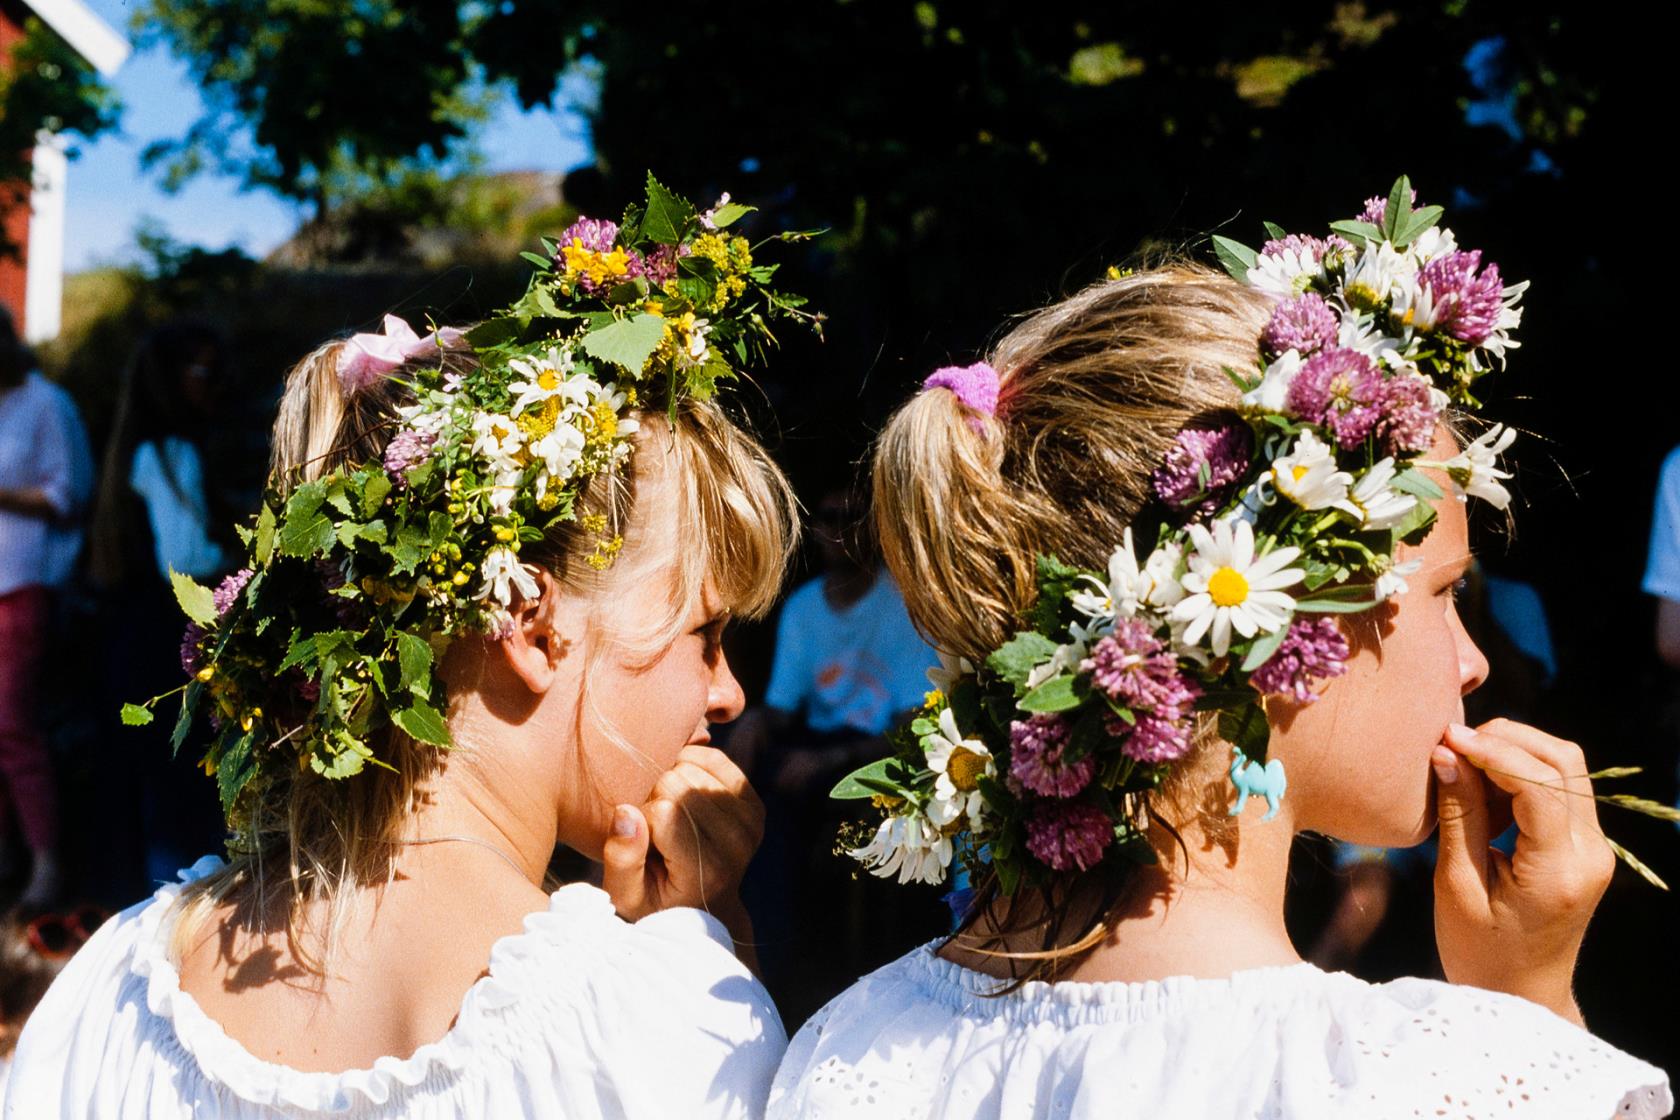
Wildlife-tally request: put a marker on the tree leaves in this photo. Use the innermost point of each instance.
(627, 342)
(307, 531)
(423, 722)
(1235, 257)
(1019, 656)
(197, 601)
(136, 715)
(414, 658)
(667, 215)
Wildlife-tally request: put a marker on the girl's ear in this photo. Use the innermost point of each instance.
(536, 642)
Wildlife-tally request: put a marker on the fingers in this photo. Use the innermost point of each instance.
(1465, 828)
(624, 861)
(1539, 799)
(1565, 757)
(723, 768)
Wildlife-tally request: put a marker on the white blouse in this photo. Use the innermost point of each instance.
(918, 1040)
(581, 1016)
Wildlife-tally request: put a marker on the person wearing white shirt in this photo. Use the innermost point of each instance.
(45, 479)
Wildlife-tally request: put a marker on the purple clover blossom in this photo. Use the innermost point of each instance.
(307, 690)
(1202, 464)
(1036, 757)
(1305, 324)
(1154, 738)
(1295, 243)
(595, 234)
(1134, 668)
(1314, 649)
(1409, 417)
(228, 593)
(1377, 205)
(191, 659)
(407, 450)
(1065, 835)
(660, 266)
(1339, 389)
(1467, 305)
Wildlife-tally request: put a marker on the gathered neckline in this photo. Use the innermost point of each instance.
(224, 1060)
(1070, 1002)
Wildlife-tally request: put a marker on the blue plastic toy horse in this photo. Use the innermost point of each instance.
(1262, 781)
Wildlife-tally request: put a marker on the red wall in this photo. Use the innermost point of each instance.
(14, 270)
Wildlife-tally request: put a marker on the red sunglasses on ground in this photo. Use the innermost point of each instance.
(56, 936)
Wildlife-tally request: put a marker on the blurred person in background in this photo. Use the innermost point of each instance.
(32, 954)
(848, 666)
(1662, 569)
(46, 475)
(154, 516)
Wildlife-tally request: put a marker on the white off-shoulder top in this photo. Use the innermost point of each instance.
(919, 1039)
(581, 1016)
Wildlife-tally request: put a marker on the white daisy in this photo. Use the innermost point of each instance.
(1273, 390)
(497, 438)
(503, 574)
(1232, 589)
(949, 671)
(1372, 503)
(1475, 470)
(1393, 581)
(1129, 586)
(559, 451)
(1510, 317)
(1376, 274)
(1359, 331)
(908, 847)
(1285, 273)
(1308, 475)
(541, 379)
(1433, 242)
(958, 764)
(1067, 657)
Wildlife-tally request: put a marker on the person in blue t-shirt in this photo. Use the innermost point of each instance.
(848, 666)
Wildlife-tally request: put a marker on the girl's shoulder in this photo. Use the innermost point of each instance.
(657, 1016)
(924, 1037)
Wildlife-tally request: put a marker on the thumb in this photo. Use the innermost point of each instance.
(1462, 866)
(624, 862)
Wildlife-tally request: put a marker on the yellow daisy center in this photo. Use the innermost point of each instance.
(548, 380)
(1299, 472)
(1227, 587)
(965, 767)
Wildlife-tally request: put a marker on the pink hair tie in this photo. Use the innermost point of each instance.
(975, 386)
(368, 357)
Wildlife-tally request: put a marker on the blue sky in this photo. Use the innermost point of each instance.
(109, 195)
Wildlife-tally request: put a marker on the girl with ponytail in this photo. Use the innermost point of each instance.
(1155, 575)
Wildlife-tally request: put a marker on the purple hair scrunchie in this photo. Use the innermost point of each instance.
(975, 386)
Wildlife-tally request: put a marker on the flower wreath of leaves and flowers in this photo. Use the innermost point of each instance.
(1038, 760)
(356, 582)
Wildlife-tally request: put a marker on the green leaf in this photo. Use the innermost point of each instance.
(1398, 210)
(1235, 257)
(494, 332)
(1245, 728)
(1055, 695)
(1334, 606)
(865, 781)
(374, 491)
(537, 259)
(1417, 484)
(1263, 648)
(264, 546)
(667, 215)
(1357, 232)
(1416, 525)
(136, 715)
(1419, 221)
(1056, 581)
(306, 531)
(338, 498)
(1019, 656)
(196, 600)
(234, 769)
(1275, 231)
(415, 658)
(183, 721)
(423, 722)
(1243, 382)
(730, 213)
(301, 650)
(627, 342)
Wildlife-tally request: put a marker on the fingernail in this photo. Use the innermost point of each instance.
(1459, 731)
(624, 822)
(1446, 765)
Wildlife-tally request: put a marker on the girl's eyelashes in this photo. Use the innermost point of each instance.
(1458, 587)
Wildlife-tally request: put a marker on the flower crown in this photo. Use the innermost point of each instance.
(1038, 760)
(357, 580)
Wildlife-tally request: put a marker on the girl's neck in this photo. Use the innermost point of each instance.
(1208, 909)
